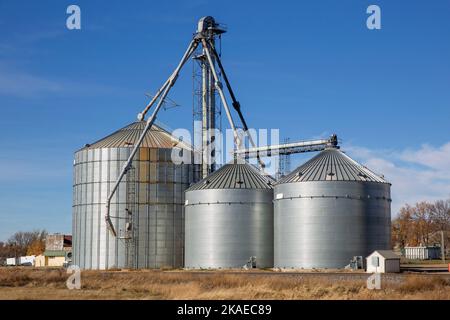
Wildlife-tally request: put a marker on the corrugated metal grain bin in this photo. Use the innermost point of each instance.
(150, 198)
(229, 219)
(329, 210)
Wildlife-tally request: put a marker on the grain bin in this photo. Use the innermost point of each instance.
(147, 209)
(229, 219)
(329, 210)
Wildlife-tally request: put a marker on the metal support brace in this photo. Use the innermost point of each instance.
(237, 140)
(141, 115)
(165, 90)
(290, 148)
(236, 104)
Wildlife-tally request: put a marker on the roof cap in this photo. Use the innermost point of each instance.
(331, 165)
(234, 176)
(129, 135)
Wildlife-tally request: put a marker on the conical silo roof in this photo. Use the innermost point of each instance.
(331, 165)
(234, 176)
(128, 136)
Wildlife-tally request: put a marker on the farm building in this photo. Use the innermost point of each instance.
(58, 251)
(383, 261)
(422, 253)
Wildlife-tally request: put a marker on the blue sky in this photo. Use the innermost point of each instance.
(309, 68)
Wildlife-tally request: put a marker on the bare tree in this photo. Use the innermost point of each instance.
(20, 241)
(441, 214)
(418, 224)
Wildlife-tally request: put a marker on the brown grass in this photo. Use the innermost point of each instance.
(27, 283)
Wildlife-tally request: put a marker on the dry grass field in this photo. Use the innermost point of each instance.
(28, 283)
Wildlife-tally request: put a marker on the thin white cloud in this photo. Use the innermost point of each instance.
(23, 84)
(430, 156)
(421, 174)
(26, 85)
(33, 172)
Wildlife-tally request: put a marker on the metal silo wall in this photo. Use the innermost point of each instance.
(158, 200)
(225, 227)
(323, 224)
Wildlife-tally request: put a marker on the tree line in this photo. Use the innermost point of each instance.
(421, 224)
(23, 243)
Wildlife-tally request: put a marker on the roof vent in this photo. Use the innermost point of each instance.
(206, 182)
(331, 174)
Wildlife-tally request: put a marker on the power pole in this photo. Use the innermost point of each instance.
(442, 246)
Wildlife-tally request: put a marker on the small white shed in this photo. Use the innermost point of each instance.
(383, 261)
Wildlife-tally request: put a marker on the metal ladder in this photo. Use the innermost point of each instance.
(129, 234)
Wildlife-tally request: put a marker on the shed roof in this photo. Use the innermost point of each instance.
(387, 254)
(55, 253)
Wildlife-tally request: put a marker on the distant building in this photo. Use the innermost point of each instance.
(57, 242)
(58, 251)
(40, 261)
(11, 261)
(422, 253)
(54, 258)
(21, 261)
(27, 261)
(383, 261)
